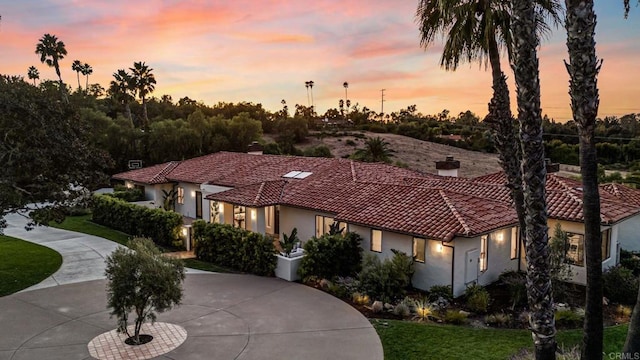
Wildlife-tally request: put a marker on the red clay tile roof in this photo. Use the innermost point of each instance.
(623, 193)
(564, 199)
(155, 174)
(376, 195)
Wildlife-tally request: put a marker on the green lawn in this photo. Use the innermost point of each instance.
(403, 340)
(83, 224)
(23, 264)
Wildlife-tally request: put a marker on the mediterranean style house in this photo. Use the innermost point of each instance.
(458, 230)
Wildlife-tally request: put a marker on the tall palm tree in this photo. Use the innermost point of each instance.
(583, 68)
(77, 67)
(311, 87)
(306, 85)
(539, 294)
(86, 71)
(346, 97)
(145, 83)
(33, 74)
(122, 89)
(479, 30)
(51, 51)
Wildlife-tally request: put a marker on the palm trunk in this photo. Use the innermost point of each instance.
(539, 294)
(144, 114)
(78, 73)
(86, 87)
(583, 70)
(129, 115)
(62, 89)
(504, 129)
(632, 345)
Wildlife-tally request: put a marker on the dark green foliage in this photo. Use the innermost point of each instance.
(387, 279)
(620, 285)
(235, 248)
(128, 194)
(631, 261)
(516, 283)
(45, 147)
(318, 151)
(332, 255)
(477, 298)
(568, 318)
(160, 225)
(440, 291)
(142, 280)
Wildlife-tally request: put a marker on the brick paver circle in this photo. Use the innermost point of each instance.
(110, 345)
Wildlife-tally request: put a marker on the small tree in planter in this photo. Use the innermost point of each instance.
(289, 242)
(143, 281)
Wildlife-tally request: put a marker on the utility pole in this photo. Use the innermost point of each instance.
(382, 104)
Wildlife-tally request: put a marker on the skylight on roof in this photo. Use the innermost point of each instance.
(297, 174)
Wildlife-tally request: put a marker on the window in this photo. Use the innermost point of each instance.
(376, 240)
(606, 244)
(198, 205)
(214, 211)
(418, 249)
(575, 249)
(180, 195)
(515, 240)
(239, 213)
(324, 223)
(484, 256)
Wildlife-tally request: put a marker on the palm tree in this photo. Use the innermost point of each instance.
(375, 150)
(86, 71)
(306, 85)
(539, 294)
(583, 68)
(77, 67)
(51, 51)
(311, 87)
(145, 83)
(477, 30)
(346, 97)
(33, 74)
(122, 89)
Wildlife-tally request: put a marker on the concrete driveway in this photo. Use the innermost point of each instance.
(226, 316)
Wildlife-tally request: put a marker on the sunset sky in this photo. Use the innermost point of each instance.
(263, 51)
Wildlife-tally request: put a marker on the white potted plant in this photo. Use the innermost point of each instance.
(290, 257)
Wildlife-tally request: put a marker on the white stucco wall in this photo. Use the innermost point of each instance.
(303, 220)
(151, 192)
(629, 233)
(189, 207)
(498, 259)
(579, 273)
(436, 270)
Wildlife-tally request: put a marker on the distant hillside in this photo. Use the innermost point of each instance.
(416, 154)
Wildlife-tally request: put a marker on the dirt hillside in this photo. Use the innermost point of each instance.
(416, 154)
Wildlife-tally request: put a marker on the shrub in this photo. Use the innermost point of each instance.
(239, 249)
(318, 151)
(516, 283)
(423, 310)
(455, 317)
(163, 227)
(569, 318)
(350, 142)
(620, 285)
(440, 291)
(331, 255)
(404, 307)
(127, 194)
(386, 279)
(477, 298)
(360, 299)
(498, 319)
(631, 261)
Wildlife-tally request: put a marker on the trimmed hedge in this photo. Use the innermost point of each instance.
(235, 248)
(160, 225)
(332, 255)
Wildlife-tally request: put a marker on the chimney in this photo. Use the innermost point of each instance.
(255, 149)
(449, 167)
(551, 167)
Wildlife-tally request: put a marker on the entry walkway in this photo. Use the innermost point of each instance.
(82, 255)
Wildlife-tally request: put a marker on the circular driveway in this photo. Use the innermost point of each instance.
(226, 316)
